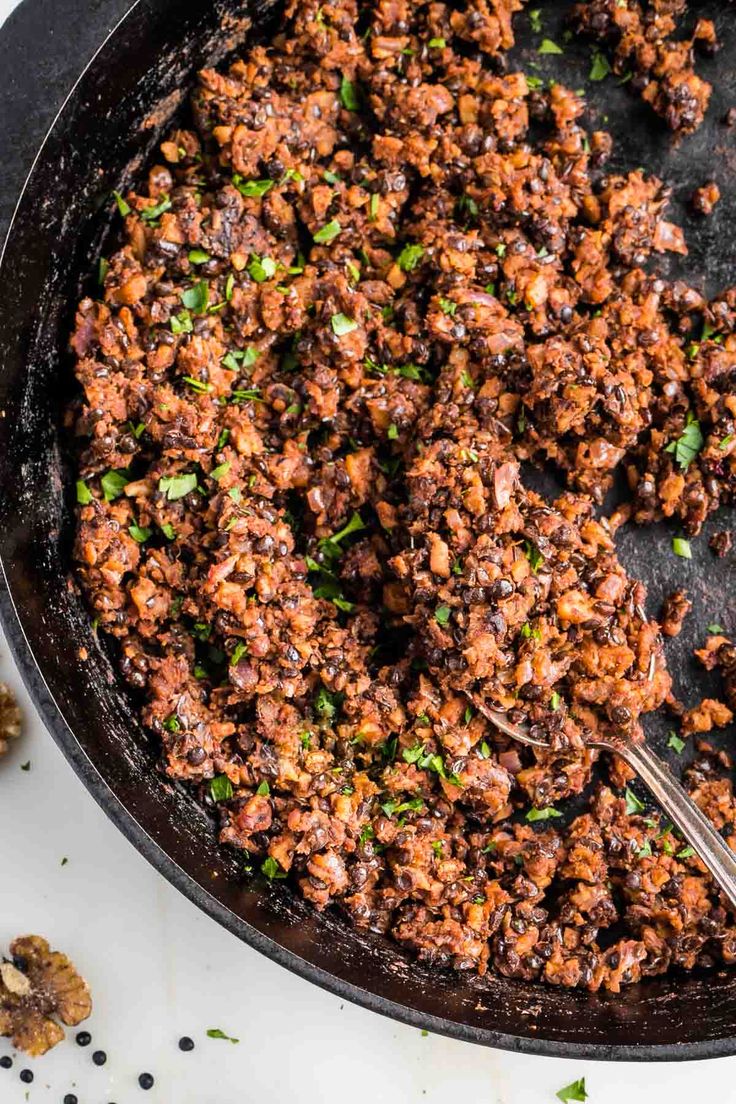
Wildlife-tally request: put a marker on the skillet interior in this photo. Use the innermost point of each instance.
(105, 132)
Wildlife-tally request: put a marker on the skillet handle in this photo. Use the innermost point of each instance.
(707, 843)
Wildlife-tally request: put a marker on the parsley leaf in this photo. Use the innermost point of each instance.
(328, 232)
(689, 444)
(442, 615)
(549, 47)
(349, 95)
(409, 257)
(139, 533)
(681, 548)
(600, 67)
(342, 325)
(272, 869)
(113, 483)
(542, 814)
(177, 486)
(675, 743)
(252, 188)
(84, 495)
(633, 804)
(196, 298)
(261, 268)
(221, 788)
(215, 1033)
(573, 1091)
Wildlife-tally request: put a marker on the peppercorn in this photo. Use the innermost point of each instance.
(99, 1057)
(146, 1081)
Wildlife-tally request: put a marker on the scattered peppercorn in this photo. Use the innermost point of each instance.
(185, 1043)
(70, 1098)
(146, 1081)
(83, 1038)
(99, 1057)
(26, 1076)
(6, 1061)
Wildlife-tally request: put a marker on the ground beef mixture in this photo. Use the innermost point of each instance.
(350, 302)
(640, 37)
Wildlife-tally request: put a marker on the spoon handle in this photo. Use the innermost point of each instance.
(708, 844)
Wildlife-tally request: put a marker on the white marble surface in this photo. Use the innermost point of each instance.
(159, 969)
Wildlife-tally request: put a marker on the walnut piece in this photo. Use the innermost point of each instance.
(36, 986)
(10, 717)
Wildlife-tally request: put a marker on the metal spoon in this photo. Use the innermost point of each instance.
(674, 799)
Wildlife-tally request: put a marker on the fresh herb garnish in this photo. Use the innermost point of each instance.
(342, 325)
(123, 205)
(547, 46)
(689, 444)
(252, 188)
(349, 95)
(150, 214)
(113, 483)
(196, 298)
(442, 615)
(675, 743)
(633, 804)
(681, 548)
(409, 257)
(198, 256)
(573, 1091)
(261, 268)
(215, 1033)
(84, 495)
(272, 869)
(328, 232)
(221, 788)
(177, 486)
(542, 814)
(600, 67)
(139, 533)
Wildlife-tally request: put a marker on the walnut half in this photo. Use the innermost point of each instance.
(10, 717)
(38, 987)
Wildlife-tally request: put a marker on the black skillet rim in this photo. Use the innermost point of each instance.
(124, 820)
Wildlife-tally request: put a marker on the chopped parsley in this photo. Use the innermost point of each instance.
(139, 533)
(239, 651)
(573, 1091)
(555, 701)
(689, 444)
(547, 46)
(263, 790)
(394, 806)
(600, 67)
(542, 814)
(221, 469)
(442, 615)
(326, 704)
(221, 788)
(535, 20)
(272, 870)
(409, 257)
(196, 298)
(534, 556)
(716, 629)
(84, 495)
(123, 205)
(681, 548)
(181, 323)
(237, 359)
(633, 804)
(215, 1033)
(261, 269)
(177, 486)
(349, 95)
(198, 256)
(113, 483)
(342, 325)
(252, 188)
(675, 743)
(328, 232)
(448, 306)
(437, 43)
(392, 432)
(150, 214)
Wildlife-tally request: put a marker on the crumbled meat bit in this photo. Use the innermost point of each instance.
(676, 608)
(377, 275)
(10, 718)
(721, 543)
(704, 199)
(707, 715)
(639, 36)
(39, 986)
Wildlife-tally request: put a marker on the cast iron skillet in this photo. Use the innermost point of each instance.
(108, 126)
